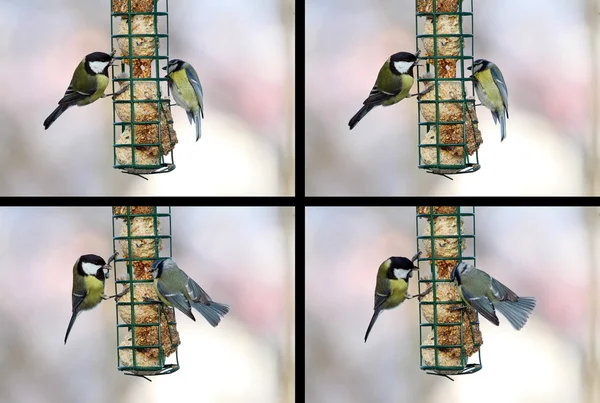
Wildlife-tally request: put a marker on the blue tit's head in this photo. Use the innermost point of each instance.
(157, 267)
(479, 65)
(174, 65)
(97, 63)
(400, 268)
(458, 271)
(402, 63)
(92, 265)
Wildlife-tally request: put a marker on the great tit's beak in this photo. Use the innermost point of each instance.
(164, 68)
(469, 68)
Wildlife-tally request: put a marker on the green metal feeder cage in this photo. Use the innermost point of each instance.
(449, 138)
(146, 329)
(143, 134)
(449, 331)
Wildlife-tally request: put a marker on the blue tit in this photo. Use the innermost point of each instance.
(89, 274)
(187, 90)
(485, 294)
(87, 85)
(175, 288)
(392, 285)
(394, 81)
(491, 90)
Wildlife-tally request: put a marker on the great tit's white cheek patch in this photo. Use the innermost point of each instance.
(403, 67)
(90, 268)
(98, 67)
(402, 273)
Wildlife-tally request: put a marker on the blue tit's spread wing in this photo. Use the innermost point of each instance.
(196, 293)
(195, 81)
(502, 292)
(176, 298)
(481, 305)
(499, 79)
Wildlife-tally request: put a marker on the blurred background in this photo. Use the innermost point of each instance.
(547, 51)
(240, 256)
(549, 253)
(243, 53)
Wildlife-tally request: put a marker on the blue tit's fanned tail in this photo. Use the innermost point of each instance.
(516, 312)
(212, 312)
(372, 322)
(71, 322)
(502, 117)
(198, 129)
(54, 115)
(360, 114)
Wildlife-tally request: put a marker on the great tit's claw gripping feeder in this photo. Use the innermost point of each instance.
(143, 134)
(448, 132)
(146, 329)
(450, 337)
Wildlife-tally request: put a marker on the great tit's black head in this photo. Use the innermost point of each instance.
(97, 63)
(174, 65)
(403, 63)
(91, 265)
(479, 65)
(400, 268)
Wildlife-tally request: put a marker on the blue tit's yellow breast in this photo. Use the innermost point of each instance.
(398, 289)
(95, 292)
(185, 90)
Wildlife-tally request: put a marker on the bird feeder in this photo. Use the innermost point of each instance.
(146, 329)
(449, 330)
(143, 134)
(449, 138)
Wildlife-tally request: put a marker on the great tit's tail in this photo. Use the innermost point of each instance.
(371, 323)
(360, 114)
(502, 118)
(55, 114)
(212, 312)
(517, 312)
(71, 322)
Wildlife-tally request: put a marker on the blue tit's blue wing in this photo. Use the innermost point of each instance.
(502, 292)
(499, 79)
(196, 293)
(482, 305)
(176, 298)
(195, 81)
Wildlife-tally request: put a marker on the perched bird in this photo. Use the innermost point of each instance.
(392, 285)
(491, 91)
(187, 90)
(87, 85)
(484, 294)
(175, 288)
(89, 273)
(394, 81)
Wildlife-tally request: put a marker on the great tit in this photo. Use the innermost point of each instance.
(175, 288)
(484, 294)
(392, 285)
(89, 273)
(491, 91)
(187, 90)
(394, 81)
(87, 85)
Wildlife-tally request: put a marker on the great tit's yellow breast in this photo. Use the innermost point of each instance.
(95, 291)
(391, 83)
(398, 290)
(488, 85)
(183, 91)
